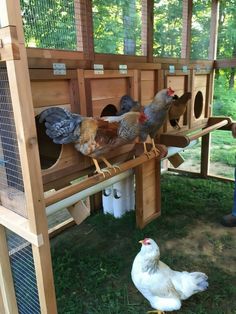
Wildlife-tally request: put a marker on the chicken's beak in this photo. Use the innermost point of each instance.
(141, 241)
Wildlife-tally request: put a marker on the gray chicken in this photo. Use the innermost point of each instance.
(156, 113)
(127, 104)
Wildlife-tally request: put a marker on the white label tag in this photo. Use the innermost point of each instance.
(59, 68)
(98, 69)
(185, 68)
(123, 68)
(171, 68)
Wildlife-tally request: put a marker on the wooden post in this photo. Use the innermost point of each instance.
(84, 27)
(205, 155)
(148, 192)
(206, 140)
(147, 29)
(6, 282)
(10, 14)
(186, 30)
(214, 29)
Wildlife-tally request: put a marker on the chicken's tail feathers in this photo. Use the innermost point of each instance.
(61, 125)
(200, 280)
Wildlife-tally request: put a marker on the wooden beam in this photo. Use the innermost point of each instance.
(84, 27)
(148, 192)
(225, 63)
(205, 155)
(19, 81)
(75, 188)
(213, 29)
(186, 29)
(150, 21)
(9, 49)
(6, 280)
(19, 225)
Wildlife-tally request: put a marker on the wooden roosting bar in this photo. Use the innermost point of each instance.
(34, 79)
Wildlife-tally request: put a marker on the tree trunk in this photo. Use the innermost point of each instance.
(231, 78)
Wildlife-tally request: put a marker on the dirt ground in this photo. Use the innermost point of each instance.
(213, 240)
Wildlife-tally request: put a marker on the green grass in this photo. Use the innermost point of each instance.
(92, 262)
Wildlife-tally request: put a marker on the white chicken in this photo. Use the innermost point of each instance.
(163, 287)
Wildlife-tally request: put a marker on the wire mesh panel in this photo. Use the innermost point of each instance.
(11, 181)
(227, 30)
(49, 24)
(167, 28)
(23, 272)
(117, 26)
(200, 32)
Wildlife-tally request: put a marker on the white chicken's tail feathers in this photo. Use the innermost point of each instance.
(188, 284)
(200, 281)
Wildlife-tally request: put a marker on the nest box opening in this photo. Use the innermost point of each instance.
(198, 104)
(109, 110)
(49, 152)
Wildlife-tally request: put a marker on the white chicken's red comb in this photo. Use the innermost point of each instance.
(170, 91)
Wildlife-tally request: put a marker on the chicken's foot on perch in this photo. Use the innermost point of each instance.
(145, 151)
(98, 169)
(109, 165)
(156, 312)
(156, 151)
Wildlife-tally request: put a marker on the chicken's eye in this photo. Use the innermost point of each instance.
(148, 243)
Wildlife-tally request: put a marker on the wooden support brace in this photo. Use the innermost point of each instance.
(79, 212)
(176, 160)
(19, 225)
(9, 47)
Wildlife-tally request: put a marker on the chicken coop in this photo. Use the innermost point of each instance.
(84, 55)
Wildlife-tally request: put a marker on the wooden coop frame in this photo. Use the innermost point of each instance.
(34, 87)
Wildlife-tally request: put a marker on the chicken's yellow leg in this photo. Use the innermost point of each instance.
(109, 165)
(156, 312)
(98, 169)
(145, 150)
(156, 151)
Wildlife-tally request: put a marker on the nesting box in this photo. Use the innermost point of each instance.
(81, 91)
(179, 82)
(200, 99)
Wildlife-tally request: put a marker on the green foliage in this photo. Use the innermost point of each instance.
(227, 30)
(49, 24)
(92, 262)
(200, 35)
(224, 98)
(117, 26)
(167, 28)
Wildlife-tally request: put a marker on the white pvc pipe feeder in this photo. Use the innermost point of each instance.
(69, 201)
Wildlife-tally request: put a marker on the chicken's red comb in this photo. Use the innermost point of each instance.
(170, 91)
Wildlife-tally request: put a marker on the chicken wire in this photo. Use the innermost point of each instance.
(200, 30)
(167, 28)
(49, 24)
(23, 273)
(11, 181)
(117, 26)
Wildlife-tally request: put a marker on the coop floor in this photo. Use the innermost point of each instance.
(92, 261)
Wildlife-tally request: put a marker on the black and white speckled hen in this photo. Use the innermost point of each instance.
(92, 137)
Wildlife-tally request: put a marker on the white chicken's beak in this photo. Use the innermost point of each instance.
(141, 241)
